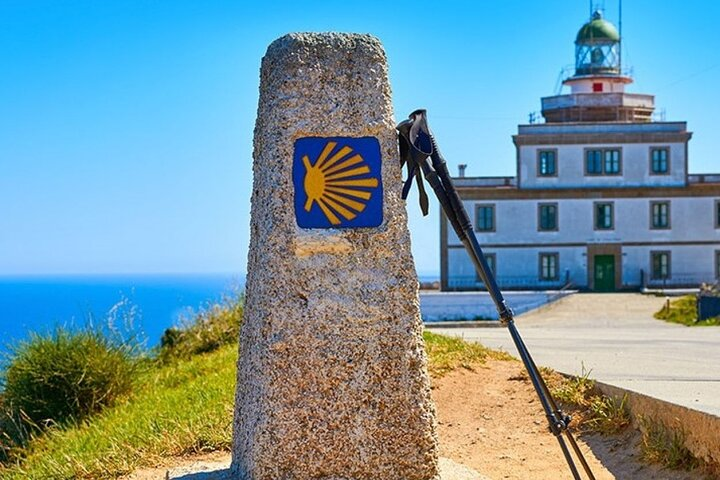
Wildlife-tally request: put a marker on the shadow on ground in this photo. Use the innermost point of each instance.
(620, 455)
(222, 474)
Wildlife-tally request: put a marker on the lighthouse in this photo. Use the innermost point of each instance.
(597, 87)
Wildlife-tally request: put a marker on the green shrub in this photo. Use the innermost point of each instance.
(683, 310)
(66, 375)
(203, 331)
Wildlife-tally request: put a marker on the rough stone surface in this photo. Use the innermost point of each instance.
(332, 380)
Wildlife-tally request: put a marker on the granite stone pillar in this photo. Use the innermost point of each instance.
(332, 380)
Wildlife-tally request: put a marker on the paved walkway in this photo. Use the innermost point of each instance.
(614, 336)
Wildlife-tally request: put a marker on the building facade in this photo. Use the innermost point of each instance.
(602, 198)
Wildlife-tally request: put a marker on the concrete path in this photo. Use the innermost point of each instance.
(615, 337)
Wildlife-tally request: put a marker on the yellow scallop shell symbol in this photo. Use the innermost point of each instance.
(338, 183)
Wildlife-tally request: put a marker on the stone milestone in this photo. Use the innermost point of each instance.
(332, 379)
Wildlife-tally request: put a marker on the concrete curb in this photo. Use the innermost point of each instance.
(702, 430)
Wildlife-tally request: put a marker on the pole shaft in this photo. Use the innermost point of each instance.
(456, 213)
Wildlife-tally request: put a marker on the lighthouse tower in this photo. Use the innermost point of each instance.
(597, 88)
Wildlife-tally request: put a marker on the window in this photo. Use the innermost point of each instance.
(717, 213)
(547, 163)
(597, 87)
(485, 218)
(603, 162)
(549, 266)
(659, 161)
(659, 215)
(604, 216)
(717, 264)
(490, 258)
(593, 162)
(660, 265)
(612, 162)
(547, 217)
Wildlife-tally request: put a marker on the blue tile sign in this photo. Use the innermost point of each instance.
(338, 182)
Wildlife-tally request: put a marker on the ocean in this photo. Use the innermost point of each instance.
(152, 302)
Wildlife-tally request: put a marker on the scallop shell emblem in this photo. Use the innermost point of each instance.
(339, 181)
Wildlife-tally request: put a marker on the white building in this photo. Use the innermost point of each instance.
(602, 197)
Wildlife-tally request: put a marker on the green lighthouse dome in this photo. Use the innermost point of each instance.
(597, 48)
(597, 30)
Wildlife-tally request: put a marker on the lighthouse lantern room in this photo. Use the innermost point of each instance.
(597, 87)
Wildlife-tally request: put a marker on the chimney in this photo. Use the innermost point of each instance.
(461, 169)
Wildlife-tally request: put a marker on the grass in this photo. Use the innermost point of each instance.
(593, 411)
(446, 354)
(203, 331)
(181, 401)
(608, 415)
(684, 311)
(67, 374)
(63, 376)
(572, 390)
(179, 407)
(664, 445)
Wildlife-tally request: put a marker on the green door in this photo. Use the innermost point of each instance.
(604, 273)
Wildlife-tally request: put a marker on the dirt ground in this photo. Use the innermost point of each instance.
(490, 420)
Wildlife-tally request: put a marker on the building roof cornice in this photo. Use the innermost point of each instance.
(580, 138)
(700, 189)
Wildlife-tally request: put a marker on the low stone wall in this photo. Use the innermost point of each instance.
(453, 306)
(702, 430)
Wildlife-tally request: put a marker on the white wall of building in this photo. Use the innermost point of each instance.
(688, 264)
(609, 85)
(519, 268)
(444, 306)
(635, 169)
(516, 221)
(517, 243)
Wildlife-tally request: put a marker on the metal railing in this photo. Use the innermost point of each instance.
(704, 178)
(675, 280)
(512, 282)
(461, 182)
(569, 100)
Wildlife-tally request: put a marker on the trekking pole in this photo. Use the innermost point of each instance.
(419, 151)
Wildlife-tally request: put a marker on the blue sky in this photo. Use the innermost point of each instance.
(126, 126)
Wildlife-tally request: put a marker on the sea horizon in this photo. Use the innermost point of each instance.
(153, 301)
